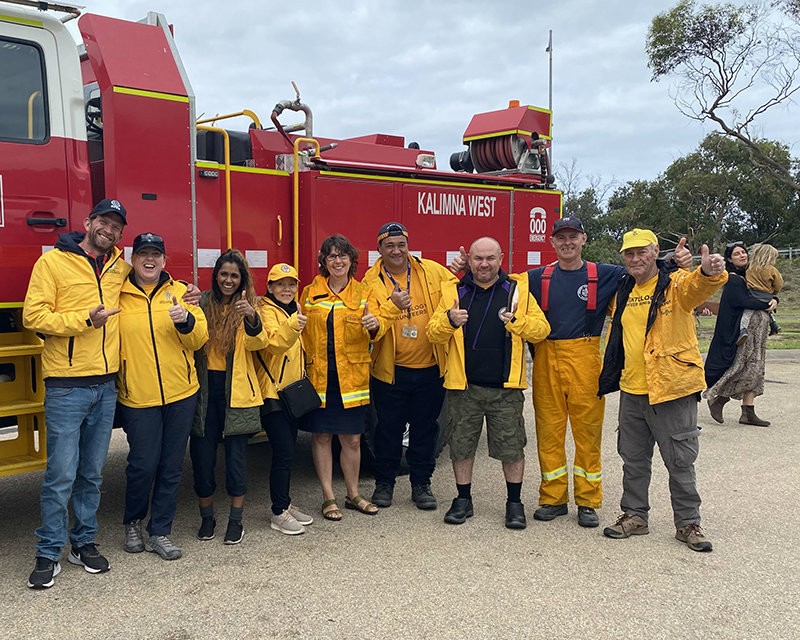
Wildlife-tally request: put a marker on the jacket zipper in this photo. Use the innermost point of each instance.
(283, 368)
(155, 350)
(125, 377)
(188, 367)
(250, 382)
(71, 349)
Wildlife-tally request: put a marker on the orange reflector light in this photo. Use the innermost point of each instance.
(513, 103)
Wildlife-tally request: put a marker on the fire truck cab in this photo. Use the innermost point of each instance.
(115, 117)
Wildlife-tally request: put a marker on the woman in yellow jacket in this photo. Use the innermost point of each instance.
(230, 397)
(337, 336)
(157, 392)
(280, 364)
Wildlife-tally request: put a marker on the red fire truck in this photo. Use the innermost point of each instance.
(115, 117)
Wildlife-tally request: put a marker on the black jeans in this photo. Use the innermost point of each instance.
(157, 437)
(415, 398)
(203, 449)
(282, 434)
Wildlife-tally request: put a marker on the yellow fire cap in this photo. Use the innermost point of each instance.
(280, 271)
(638, 238)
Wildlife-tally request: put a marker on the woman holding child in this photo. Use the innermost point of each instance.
(735, 363)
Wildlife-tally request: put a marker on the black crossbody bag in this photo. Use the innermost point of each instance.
(299, 397)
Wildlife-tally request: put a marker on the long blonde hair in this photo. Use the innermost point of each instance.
(222, 323)
(763, 255)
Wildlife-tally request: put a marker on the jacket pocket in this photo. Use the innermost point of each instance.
(685, 447)
(125, 377)
(70, 349)
(188, 367)
(356, 340)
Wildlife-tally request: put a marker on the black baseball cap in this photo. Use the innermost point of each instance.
(144, 240)
(570, 222)
(109, 206)
(392, 229)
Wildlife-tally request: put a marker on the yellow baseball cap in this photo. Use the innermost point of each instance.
(282, 270)
(638, 238)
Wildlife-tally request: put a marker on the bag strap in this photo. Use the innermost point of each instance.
(302, 360)
(591, 299)
(546, 275)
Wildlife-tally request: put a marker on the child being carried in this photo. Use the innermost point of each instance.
(764, 282)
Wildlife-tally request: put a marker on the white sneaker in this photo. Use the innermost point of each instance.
(286, 523)
(298, 515)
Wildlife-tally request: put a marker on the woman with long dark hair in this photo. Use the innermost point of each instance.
(230, 397)
(737, 371)
(337, 334)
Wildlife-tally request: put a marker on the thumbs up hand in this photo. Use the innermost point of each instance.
(244, 308)
(682, 256)
(458, 317)
(369, 322)
(712, 264)
(459, 263)
(177, 313)
(301, 319)
(400, 298)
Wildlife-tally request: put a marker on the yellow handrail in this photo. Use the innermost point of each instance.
(31, 98)
(296, 197)
(227, 140)
(243, 112)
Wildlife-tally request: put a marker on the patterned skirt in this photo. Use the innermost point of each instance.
(746, 374)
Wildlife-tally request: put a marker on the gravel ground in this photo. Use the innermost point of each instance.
(406, 573)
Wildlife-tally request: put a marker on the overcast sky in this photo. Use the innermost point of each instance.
(422, 69)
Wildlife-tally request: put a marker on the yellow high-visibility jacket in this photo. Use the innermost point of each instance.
(156, 355)
(527, 325)
(351, 340)
(672, 361)
(432, 275)
(63, 289)
(283, 354)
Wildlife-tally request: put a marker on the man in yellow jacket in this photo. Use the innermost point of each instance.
(72, 300)
(652, 358)
(407, 370)
(485, 322)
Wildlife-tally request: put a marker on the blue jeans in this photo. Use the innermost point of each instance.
(157, 437)
(79, 421)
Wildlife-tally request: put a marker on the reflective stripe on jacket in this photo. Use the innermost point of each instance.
(433, 276)
(672, 361)
(157, 357)
(527, 324)
(283, 354)
(63, 289)
(351, 340)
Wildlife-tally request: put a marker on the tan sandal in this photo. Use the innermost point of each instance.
(334, 515)
(355, 503)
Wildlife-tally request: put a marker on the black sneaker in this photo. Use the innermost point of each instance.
(234, 533)
(206, 531)
(44, 573)
(89, 558)
(587, 517)
(422, 495)
(382, 496)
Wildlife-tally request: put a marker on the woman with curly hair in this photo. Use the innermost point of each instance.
(337, 335)
(230, 397)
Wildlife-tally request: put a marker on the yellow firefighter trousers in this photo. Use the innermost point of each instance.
(565, 375)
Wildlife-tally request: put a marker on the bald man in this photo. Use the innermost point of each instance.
(485, 321)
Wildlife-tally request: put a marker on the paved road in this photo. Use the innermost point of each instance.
(404, 573)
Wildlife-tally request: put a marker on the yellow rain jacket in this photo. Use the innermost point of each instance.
(283, 354)
(241, 381)
(62, 290)
(156, 355)
(433, 276)
(672, 361)
(351, 340)
(527, 325)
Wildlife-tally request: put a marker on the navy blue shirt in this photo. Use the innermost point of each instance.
(567, 298)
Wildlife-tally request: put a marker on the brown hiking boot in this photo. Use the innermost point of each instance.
(749, 417)
(715, 407)
(692, 534)
(626, 526)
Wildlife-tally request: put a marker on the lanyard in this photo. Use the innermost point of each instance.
(408, 284)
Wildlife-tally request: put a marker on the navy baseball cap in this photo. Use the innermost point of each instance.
(570, 222)
(392, 229)
(109, 206)
(144, 240)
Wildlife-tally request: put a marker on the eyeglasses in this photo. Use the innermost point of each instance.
(732, 245)
(337, 256)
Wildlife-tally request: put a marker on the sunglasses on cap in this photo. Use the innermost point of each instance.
(732, 245)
